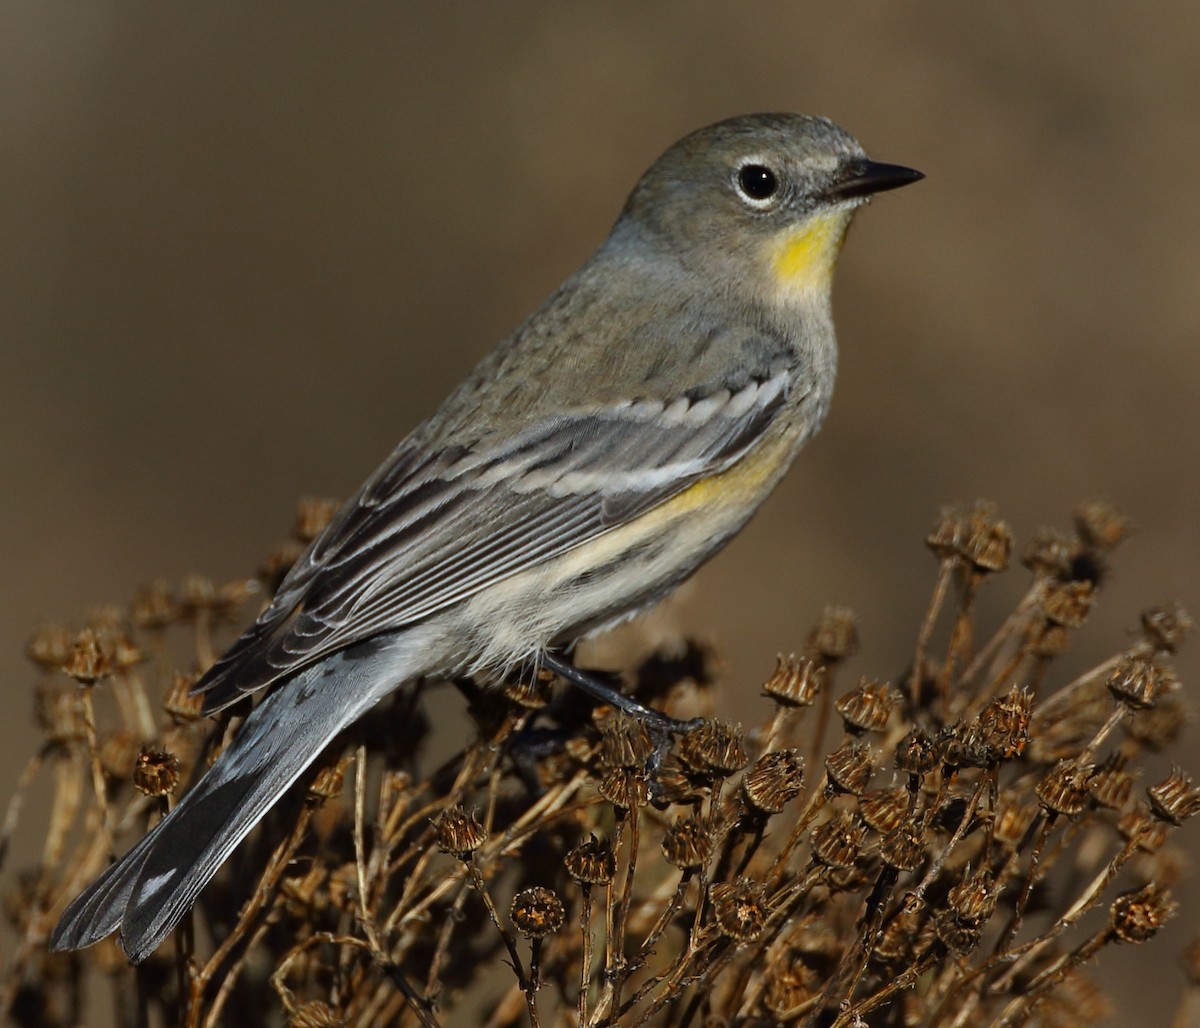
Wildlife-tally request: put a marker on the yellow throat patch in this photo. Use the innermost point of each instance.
(803, 259)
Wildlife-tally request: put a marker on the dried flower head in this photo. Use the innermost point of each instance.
(50, 647)
(850, 767)
(795, 682)
(1068, 603)
(89, 659)
(688, 843)
(1049, 554)
(775, 779)
(838, 841)
(999, 732)
(739, 908)
(329, 781)
(835, 636)
(1100, 525)
(867, 708)
(1137, 916)
(624, 742)
(884, 809)
(917, 753)
(154, 607)
(903, 848)
(715, 748)
(1165, 628)
(458, 833)
(946, 537)
(1111, 784)
(624, 788)
(1175, 798)
(156, 772)
(1138, 681)
(987, 543)
(974, 898)
(1064, 788)
(537, 912)
(592, 862)
(180, 702)
(1013, 818)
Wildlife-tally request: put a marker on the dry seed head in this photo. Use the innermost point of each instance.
(313, 513)
(673, 783)
(1165, 628)
(1111, 784)
(1049, 554)
(775, 779)
(988, 542)
(715, 748)
(916, 753)
(1138, 681)
(838, 841)
(1137, 916)
(884, 809)
(624, 743)
(50, 647)
(330, 781)
(903, 848)
(905, 937)
(1064, 789)
(1174, 799)
(946, 537)
(999, 732)
(458, 833)
(154, 607)
(850, 767)
(1101, 525)
(624, 788)
(156, 772)
(592, 862)
(739, 908)
(795, 683)
(180, 702)
(1012, 819)
(89, 659)
(537, 912)
(1049, 639)
(1068, 603)
(688, 843)
(835, 636)
(197, 592)
(973, 899)
(960, 937)
(867, 708)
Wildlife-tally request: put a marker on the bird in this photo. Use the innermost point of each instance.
(616, 440)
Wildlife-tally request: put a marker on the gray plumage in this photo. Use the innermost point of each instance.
(539, 502)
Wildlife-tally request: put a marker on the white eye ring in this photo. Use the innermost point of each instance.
(757, 184)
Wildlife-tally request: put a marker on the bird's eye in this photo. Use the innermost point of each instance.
(757, 183)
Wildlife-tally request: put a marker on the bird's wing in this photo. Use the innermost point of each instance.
(430, 529)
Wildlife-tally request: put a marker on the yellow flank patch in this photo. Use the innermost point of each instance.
(745, 481)
(805, 257)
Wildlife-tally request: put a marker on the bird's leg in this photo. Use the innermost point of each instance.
(656, 722)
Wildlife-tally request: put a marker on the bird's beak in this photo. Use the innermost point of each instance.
(864, 178)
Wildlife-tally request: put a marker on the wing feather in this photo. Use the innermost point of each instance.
(432, 529)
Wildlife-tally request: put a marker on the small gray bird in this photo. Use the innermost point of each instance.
(589, 464)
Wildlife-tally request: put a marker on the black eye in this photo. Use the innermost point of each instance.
(757, 181)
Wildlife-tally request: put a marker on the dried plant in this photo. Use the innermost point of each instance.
(920, 851)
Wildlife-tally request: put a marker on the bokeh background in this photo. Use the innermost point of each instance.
(246, 247)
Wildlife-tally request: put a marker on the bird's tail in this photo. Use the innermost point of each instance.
(146, 892)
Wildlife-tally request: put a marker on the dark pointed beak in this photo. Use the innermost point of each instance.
(865, 178)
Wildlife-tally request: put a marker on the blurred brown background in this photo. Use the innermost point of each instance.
(244, 251)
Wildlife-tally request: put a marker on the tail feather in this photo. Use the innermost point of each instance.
(147, 892)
